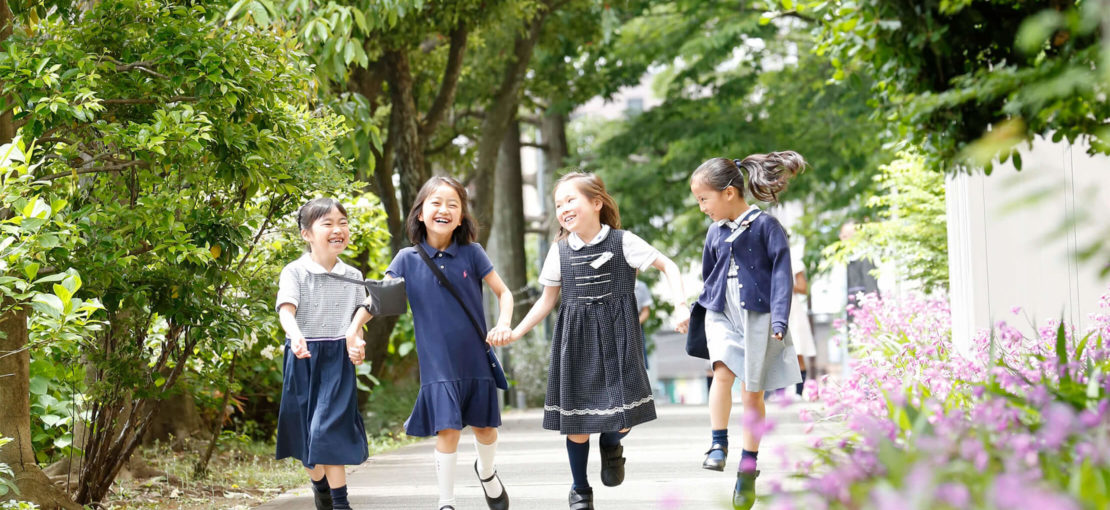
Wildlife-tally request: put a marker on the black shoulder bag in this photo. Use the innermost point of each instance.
(389, 295)
(494, 363)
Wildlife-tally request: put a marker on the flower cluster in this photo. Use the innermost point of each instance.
(1015, 420)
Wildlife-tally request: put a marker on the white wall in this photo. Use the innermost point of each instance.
(1013, 238)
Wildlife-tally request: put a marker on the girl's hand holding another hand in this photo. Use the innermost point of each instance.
(500, 336)
(681, 318)
(356, 348)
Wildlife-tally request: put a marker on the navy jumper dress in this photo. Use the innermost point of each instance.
(597, 380)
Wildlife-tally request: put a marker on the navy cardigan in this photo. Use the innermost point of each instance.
(765, 277)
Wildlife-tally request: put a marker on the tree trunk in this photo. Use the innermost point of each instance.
(507, 241)
(404, 128)
(15, 417)
(553, 129)
(7, 127)
(368, 82)
(501, 111)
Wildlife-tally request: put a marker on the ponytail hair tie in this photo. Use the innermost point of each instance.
(740, 167)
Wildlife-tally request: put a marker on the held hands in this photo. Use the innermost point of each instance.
(356, 347)
(777, 336)
(299, 346)
(681, 318)
(500, 336)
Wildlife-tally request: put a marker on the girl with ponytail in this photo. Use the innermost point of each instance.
(746, 300)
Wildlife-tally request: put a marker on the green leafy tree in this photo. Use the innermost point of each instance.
(33, 224)
(178, 142)
(733, 84)
(947, 72)
(910, 231)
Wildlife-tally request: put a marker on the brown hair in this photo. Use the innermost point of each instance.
(766, 175)
(465, 233)
(592, 187)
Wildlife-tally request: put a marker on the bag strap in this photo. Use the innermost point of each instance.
(362, 283)
(451, 288)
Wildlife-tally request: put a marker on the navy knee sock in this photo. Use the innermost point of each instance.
(611, 439)
(339, 498)
(801, 386)
(579, 455)
(748, 460)
(320, 485)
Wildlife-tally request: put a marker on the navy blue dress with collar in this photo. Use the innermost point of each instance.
(763, 256)
(456, 385)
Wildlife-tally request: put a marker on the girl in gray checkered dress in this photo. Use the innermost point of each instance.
(319, 422)
(597, 381)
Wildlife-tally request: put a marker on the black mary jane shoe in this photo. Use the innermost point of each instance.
(581, 501)
(322, 499)
(446, 507)
(715, 464)
(743, 495)
(500, 502)
(612, 465)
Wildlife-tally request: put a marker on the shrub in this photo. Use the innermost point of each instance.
(1017, 422)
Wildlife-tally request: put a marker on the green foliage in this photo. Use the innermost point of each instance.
(910, 230)
(18, 505)
(746, 88)
(177, 142)
(7, 476)
(34, 225)
(947, 72)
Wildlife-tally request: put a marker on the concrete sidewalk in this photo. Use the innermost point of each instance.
(663, 469)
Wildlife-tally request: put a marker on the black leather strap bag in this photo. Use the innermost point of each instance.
(389, 295)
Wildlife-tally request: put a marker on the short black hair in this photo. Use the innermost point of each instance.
(315, 209)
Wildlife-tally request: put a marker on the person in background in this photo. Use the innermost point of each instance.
(798, 323)
(643, 304)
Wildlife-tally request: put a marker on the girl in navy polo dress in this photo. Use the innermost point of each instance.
(318, 421)
(456, 385)
(597, 381)
(747, 294)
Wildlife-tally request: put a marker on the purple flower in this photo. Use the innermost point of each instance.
(954, 495)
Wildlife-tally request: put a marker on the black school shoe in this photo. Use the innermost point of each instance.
(323, 499)
(612, 465)
(713, 463)
(500, 502)
(581, 501)
(743, 495)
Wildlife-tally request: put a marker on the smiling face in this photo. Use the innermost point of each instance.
(575, 211)
(442, 211)
(329, 234)
(716, 204)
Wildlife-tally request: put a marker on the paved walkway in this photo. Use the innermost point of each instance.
(663, 469)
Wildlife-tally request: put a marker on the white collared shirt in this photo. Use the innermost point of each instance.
(733, 224)
(637, 252)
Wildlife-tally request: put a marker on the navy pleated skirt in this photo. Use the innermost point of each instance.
(319, 422)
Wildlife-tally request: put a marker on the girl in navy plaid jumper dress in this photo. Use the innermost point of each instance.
(597, 381)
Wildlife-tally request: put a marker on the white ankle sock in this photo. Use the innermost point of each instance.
(486, 452)
(445, 475)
